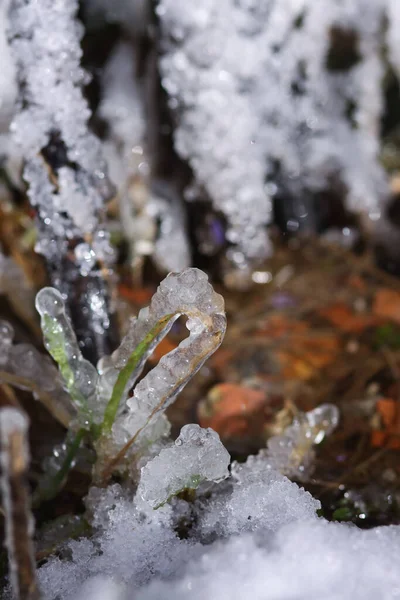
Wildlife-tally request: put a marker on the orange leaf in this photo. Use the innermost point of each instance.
(390, 435)
(342, 317)
(139, 296)
(161, 349)
(387, 304)
(229, 408)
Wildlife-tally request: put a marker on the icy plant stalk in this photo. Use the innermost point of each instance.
(80, 376)
(292, 452)
(22, 366)
(64, 168)
(142, 202)
(197, 455)
(18, 518)
(188, 293)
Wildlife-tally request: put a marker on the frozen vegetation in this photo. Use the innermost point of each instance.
(255, 535)
(264, 106)
(274, 104)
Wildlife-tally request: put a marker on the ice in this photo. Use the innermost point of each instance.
(292, 453)
(19, 524)
(263, 540)
(80, 376)
(260, 111)
(143, 202)
(28, 369)
(188, 293)
(68, 188)
(257, 497)
(197, 455)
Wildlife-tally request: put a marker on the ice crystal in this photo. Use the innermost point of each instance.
(267, 103)
(197, 455)
(292, 452)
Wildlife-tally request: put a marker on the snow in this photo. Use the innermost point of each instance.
(259, 113)
(269, 544)
(197, 455)
(250, 534)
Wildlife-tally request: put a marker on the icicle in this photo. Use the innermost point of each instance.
(16, 504)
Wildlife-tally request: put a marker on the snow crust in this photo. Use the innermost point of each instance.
(269, 544)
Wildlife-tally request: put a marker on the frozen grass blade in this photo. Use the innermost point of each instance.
(188, 293)
(16, 503)
(79, 375)
(125, 375)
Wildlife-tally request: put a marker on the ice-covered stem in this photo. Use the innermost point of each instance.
(197, 455)
(58, 467)
(293, 451)
(16, 504)
(22, 366)
(79, 375)
(64, 168)
(188, 293)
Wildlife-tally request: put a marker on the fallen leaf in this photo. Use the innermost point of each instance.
(138, 296)
(389, 435)
(341, 316)
(387, 304)
(233, 410)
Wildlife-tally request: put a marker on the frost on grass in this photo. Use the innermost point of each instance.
(292, 452)
(152, 215)
(45, 40)
(277, 99)
(21, 365)
(19, 526)
(100, 398)
(188, 293)
(64, 167)
(79, 375)
(197, 455)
